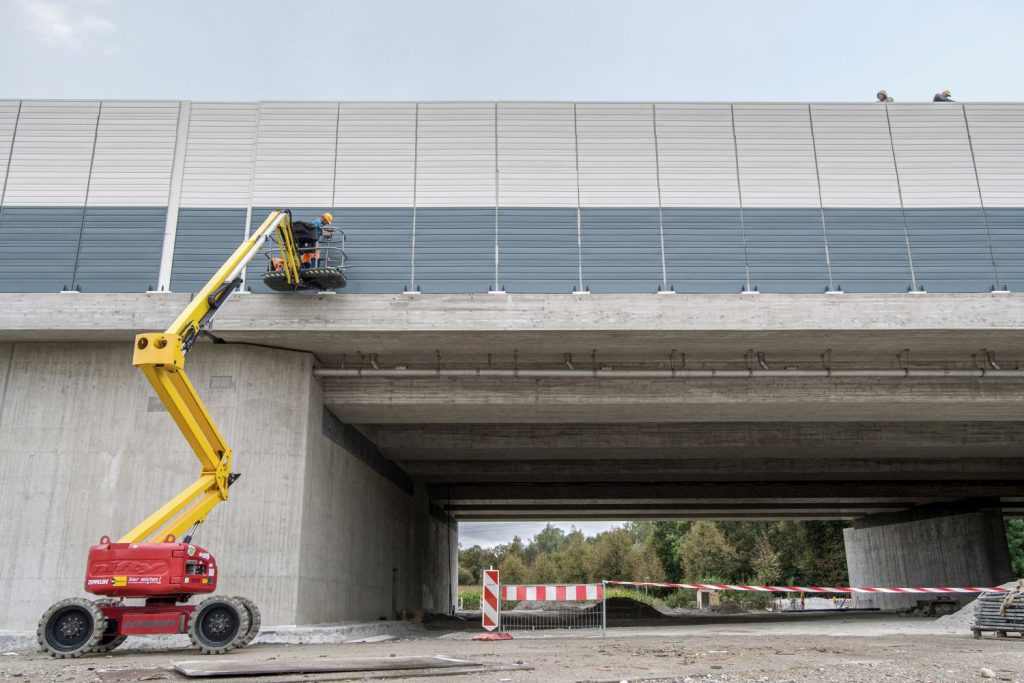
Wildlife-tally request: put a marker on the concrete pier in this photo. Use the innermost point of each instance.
(932, 546)
(312, 532)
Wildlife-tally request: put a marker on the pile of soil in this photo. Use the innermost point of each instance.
(728, 608)
(628, 608)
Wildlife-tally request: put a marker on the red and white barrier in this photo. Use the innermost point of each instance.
(558, 593)
(806, 589)
(489, 600)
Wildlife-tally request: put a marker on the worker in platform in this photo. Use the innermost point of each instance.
(943, 96)
(883, 96)
(308, 235)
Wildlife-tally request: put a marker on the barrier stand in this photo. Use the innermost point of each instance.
(534, 610)
(490, 608)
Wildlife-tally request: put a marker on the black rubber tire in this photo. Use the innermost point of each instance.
(71, 628)
(109, 641)
(218, 625)
(255, 620)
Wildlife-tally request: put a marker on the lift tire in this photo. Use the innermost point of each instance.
(110, 639)
(255, 620)
(108, 643)
(71, 628)
(218, 625)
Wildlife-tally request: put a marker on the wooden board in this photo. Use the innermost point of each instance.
(213, 668)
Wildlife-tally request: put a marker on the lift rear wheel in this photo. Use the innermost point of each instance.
(108, 643)
(110, 639)
(255, 620)
(218, 625)
(71, 628)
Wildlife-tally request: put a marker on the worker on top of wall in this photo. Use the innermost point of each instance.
(943, 96)
(883, 96)
(308, 234)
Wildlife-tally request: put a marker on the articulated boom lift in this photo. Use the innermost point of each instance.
(156, 561)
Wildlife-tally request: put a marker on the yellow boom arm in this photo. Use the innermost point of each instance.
(161, 357)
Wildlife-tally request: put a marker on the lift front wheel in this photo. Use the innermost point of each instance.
(71, 628)
(218, 625)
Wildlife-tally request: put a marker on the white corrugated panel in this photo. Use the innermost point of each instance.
(616, 153)
(536, 154)
(8, 121)
(855, 156)
(933, 155)
(52, 153)
(697, 157)
(376, 154)
(295, 154)
(776, 155)
(219, 155)
(997, 131)
(134, 154)
(456, 158)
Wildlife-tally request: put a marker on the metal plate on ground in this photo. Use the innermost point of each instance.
(204, 668)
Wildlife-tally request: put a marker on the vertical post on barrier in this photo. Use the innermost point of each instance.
(604, 608)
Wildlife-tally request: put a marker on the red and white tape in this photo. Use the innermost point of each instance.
(807, 589)
(489, 600)
(559, 593)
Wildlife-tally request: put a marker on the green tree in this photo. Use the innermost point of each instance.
(645, 562)
(764, 561)
(549, 541)
(1015, 539)
(613, 556)
(705, 554)
(576, 559)
(512, 569)
(474, 560)
(543, 569)
(665, 537)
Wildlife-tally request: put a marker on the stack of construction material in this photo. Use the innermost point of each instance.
(999, 612)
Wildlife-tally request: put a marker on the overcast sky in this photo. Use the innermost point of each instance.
(488, 534)
(530, 49)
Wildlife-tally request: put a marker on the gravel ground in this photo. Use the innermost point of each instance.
(823, 647)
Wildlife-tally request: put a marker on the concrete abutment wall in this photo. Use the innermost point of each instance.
(931, 546)
(311, 532)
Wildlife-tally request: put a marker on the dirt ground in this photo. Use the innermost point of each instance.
(819, 648)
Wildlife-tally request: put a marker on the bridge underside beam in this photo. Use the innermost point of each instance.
(838, 399)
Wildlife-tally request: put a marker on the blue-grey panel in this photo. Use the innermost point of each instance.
(38, 247)
(950, 250)
(379, 246)
(538, 250)
(254, 273)
(204, 240)
(1007, 229)
(455, 249)
(868, 248)
(621, 250)
(704, 250)
(786, 249)
(121, 248)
